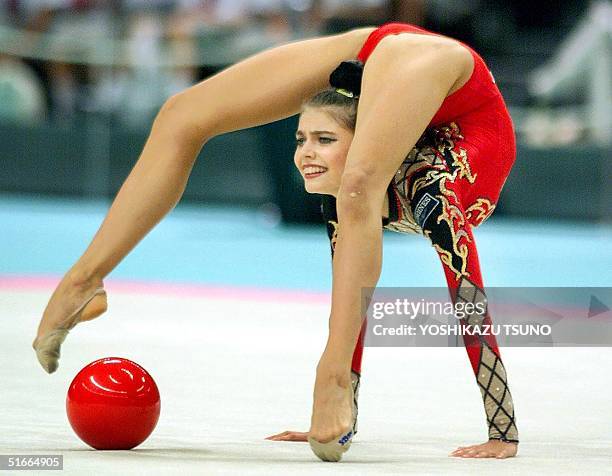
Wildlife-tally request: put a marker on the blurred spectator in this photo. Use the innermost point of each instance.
(340, 15)
(21, 93)
(408, 11)
(126, 56)
(56, 27)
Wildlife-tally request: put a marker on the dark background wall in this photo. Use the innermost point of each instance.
(87, 148)
(255, 167)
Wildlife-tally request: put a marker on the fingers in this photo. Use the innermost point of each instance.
(277, 437)
(289, 436)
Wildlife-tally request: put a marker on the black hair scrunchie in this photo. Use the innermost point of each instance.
(347, 76)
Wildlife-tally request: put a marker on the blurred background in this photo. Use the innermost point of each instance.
(81, 81)
(226, 301)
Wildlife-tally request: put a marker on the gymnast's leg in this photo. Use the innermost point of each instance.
(231, 100)
(438, 176)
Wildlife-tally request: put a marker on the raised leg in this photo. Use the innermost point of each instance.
(261, 89)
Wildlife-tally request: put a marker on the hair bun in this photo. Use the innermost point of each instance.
(348, 76)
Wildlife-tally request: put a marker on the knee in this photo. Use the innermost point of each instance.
(359, 195)
(177, 120)
(171, 113)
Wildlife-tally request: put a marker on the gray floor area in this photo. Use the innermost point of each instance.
(232, 371)
(229, 315)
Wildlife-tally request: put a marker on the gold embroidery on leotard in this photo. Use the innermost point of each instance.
(484, 207)
(436, 160)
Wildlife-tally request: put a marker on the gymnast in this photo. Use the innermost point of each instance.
(428, 152)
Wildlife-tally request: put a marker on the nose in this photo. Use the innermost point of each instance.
(307, 151)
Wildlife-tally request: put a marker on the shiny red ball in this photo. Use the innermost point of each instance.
(113, 404)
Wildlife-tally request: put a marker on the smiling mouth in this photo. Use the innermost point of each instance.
(311, 172)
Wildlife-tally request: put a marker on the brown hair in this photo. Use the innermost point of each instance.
(342, 108)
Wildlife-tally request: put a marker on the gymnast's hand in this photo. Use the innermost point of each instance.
(289, 436)
(491, 449)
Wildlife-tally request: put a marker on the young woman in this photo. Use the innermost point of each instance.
(411, 80)
(324, 136)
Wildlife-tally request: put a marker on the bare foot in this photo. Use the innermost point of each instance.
(289, 436)
(491, 449)
(72, 301)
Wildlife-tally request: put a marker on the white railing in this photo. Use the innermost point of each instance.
(583, 62)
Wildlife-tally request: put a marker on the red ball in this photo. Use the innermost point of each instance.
(113, 404)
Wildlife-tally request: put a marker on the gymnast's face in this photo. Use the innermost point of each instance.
(322, 145)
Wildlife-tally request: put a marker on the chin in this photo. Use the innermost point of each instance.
(317, 191)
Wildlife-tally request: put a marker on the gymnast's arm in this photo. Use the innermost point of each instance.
(328, 209)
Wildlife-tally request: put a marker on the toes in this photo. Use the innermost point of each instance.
(49, 366)
(48, 359)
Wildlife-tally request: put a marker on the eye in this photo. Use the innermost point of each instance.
(299, 141)
(326, 140)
